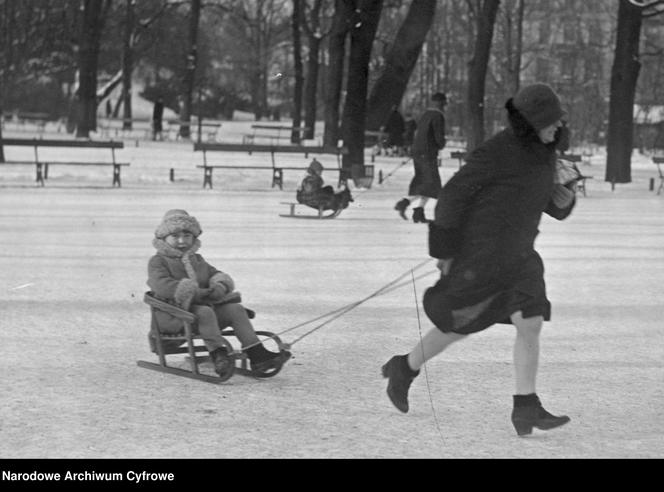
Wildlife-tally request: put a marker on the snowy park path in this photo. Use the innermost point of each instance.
(73, 268)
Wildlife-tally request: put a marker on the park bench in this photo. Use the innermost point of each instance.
(460, 155)
(659, 160)
(374, 140)
(23, 119)
(195, 128)
(277, 170)
(272, 133)
(581, 179)
(42, 165)
(117, 127)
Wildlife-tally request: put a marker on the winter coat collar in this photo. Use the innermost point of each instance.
(163, 248)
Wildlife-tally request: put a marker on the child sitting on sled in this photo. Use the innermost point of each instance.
(179, 275)
(313, 192)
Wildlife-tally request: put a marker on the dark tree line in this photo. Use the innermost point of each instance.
(346, 62)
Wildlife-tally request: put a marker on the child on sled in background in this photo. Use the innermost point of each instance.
(179, 275)
(313, 192)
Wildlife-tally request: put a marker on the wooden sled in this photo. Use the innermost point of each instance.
(185, 342)
(322, 212)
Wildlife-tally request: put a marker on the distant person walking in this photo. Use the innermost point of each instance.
(157, 117)
(410, 125)
(428, 140)
(394, 129)
(483, 235)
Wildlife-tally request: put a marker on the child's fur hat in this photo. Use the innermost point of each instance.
(175, 221)
(316, 167)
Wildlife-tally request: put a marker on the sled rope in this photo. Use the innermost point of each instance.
(363, 190)
(337, 313)
(355, 304)
(426, 373)
(388, 175)
(385, 290)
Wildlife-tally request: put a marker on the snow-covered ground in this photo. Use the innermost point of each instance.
(73, 321)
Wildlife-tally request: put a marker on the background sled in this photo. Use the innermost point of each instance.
(184, 342)
(322, 212)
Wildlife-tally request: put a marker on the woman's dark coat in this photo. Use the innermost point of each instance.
(486, 219)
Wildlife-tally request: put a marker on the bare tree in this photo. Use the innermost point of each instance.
(624, 76)
(341, 24)
(513, 33)
(362, 34)
(127, 63)
(298, 69)
(484, 12)
(400, 62)
(189, 78)
(91, 29)
(315, 36)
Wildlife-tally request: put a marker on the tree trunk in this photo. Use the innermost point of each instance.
(400, 62)
(88, 58)
(477, 68)
(343, 13)
(311, 82)
(514, 42)
(190, 71)
(624, 75)
(353, 122)
(297, 66)
(127, 64)
(2, 149)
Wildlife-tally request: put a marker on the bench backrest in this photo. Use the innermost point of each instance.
(38, 142)
(659, 160)
(297, 149)
(278, 128)
(571, 157)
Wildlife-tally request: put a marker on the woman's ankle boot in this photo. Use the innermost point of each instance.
(528, 412)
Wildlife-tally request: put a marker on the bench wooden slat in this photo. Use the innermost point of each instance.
(287, 168)
(571, 157)
(56, 163)
(65, 163)
(32, 142)
(293, 149)
(221, 166)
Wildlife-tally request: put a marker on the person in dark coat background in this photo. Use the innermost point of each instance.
(157, 116)
(428, 140)
(410, 125)
(486, 222)
(394, 129)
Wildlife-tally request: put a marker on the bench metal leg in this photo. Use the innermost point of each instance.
(40, 176)
(661, 185)
(278, 177)
(581, 185)
(207, 177)
(116, 175)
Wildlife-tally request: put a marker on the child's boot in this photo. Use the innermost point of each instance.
(265, 363)
(224, 365)
(528, 412)
(400, 378)
(401, 207)
(418, 215)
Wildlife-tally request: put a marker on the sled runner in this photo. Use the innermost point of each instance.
(184, 342)
(323, 213)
